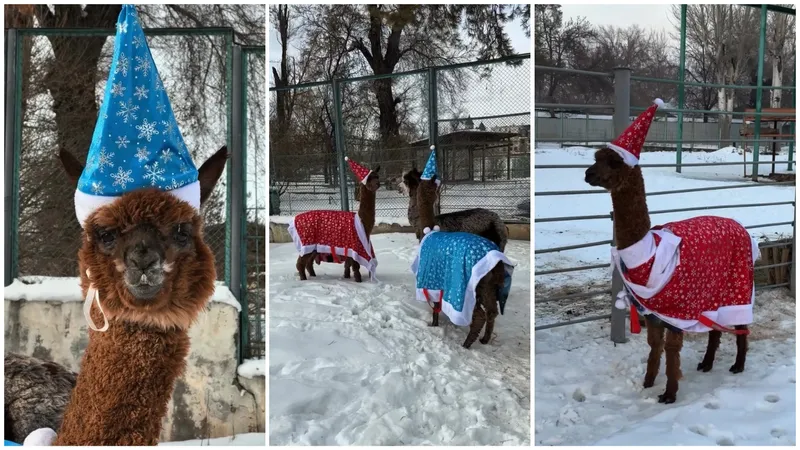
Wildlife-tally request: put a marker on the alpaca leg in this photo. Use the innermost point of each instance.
(478, 319)
(310, 264)
(655, 338)
(434, 319)
(713, 344)
(347, 267)
(301, 267)
(672, 347)
(490, 303)
(356, 273)
(741, 350)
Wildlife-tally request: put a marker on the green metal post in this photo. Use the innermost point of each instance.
(762, 40)
(433, 108)
(791, 126)
(243, 269)
(229, 140)
(13, 121)
(681, 88)
(337, 106)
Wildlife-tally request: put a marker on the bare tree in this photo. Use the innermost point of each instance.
(780, 48)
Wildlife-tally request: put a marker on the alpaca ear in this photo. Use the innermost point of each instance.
(377, 168)
(72, 166)
(210, 171)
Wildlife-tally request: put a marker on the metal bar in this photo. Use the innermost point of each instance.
(764, 225)
(433, 108)
(572, 71)
(237, 194)
(545, 106)
(792, 127)
(622, 113)
(681, 88)
(301, 86)
(12, 75)
(519, 57)
(382, 76)
(703, 208)
(569, 218)
(646, 166)
(793, 271)
(255, 49)
(573, 296)
(771, 286)
(760, 81)
(571, 269)
(770, 266)
(112, 31)
(572, 322)
(704, 111)
(776, 8)
(340, 150)
(773, 244)
(498, 116)
(663, 141)
(569, 247)
(230, 167)
(552, 193)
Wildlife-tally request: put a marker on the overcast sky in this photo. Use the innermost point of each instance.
(648, 17)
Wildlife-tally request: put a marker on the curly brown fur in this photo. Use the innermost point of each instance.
(486, 308)
(631, 224)
(36, 393)
(128, 371)
(366, 212)
(478, 221)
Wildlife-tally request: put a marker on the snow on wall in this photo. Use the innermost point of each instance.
(67, 289)
(252, 368)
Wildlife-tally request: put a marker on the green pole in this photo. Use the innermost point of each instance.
(339, 124)
(792, 128)
(433, 108)
(243, 269)
(681, 87)
(229, 140)
(762, 40)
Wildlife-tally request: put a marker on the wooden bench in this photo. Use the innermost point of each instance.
(786, 115)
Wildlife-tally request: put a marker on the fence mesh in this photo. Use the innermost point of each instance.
(483, 119)
(61, 88)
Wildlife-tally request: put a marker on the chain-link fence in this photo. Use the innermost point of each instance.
(477, 114)
(55, 79)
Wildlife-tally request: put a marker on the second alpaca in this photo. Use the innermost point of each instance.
(466, 275)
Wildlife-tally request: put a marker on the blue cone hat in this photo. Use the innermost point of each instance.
(136, 142)
(430, 167)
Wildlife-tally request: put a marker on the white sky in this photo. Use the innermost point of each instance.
(648, 17)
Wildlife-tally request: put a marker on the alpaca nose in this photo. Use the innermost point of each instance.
(143, 258)
(590, 174)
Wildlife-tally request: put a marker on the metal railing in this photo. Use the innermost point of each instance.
(621, 119)
(483, 148)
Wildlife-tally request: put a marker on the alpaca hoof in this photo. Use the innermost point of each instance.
(648, 382)
(303, 278)
(736, 368)
(484, 340)
(666, 398)
(705, 367)
(347, 276)
(465, 345)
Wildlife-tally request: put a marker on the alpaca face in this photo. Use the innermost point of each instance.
(410, 181)
(608, 171)
(373, 180)
(427, 191)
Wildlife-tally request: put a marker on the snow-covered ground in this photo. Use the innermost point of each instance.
(357, 364)
(588, 391)
(247, 439)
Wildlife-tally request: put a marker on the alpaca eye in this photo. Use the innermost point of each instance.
(182, 234)
(107, 237)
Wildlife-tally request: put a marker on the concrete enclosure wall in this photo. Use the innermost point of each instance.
(209, 400)
(279, 234)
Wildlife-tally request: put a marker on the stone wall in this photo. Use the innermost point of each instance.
(209, 400)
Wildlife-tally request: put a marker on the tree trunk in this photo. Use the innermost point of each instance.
(389, 126)
(777, 79)
(724, 119)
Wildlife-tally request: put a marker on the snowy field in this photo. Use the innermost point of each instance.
(357, 364)
(588, 392)
(247, 439)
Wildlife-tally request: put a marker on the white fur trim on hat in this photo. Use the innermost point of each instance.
(364, 181)
(627, 157)
(86, 204)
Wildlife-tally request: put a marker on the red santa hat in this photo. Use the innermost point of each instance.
(629, 144)
(361, 172)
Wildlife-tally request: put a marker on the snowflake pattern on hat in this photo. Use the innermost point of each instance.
(136, 142)
(360, 171)
(629, 144)
(430, 167)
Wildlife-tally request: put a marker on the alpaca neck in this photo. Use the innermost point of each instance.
(425, 209)
(126, 379)
(631, 218)
(366, 209)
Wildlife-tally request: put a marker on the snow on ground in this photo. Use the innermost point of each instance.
(252, 368)
(589, 392)
(357, 364)
(68, 289)
(557, 234)
(247, 439)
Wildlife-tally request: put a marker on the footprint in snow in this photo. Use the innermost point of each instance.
(772, 398)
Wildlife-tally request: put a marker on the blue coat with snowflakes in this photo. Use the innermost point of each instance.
(450, 265)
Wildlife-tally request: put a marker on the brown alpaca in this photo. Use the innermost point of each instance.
(366, 212)
(631, 224)
(486, 292)
(128, 371)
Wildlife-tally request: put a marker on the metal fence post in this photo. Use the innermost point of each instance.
(433, 108)
(759, 89)
(793, 270)
(339, 130)
(237, 195)
(10, 157)
(622, 114)
(681, 89)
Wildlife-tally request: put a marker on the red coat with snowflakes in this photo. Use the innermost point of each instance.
(715, 269)
(337, 233)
